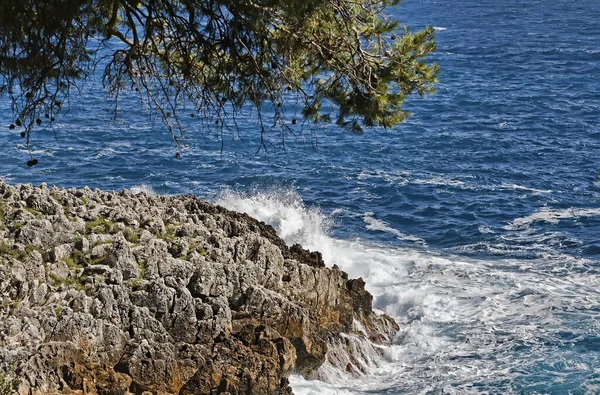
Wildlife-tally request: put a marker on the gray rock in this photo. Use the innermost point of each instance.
(60, 252)
(120, 257)
(204, 300)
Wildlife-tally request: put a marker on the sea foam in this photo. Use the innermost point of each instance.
(552, 216)
(461, 320)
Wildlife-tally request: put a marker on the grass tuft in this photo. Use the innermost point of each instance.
(8, 384)
(131, 236)
(105, 226)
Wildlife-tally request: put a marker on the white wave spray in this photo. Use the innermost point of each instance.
(462, 320)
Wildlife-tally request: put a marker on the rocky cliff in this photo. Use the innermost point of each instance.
(115, 293)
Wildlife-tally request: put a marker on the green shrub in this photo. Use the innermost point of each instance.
(75, 282)
(5, 249)
(130, 235)
(135, 283)
(70, 262)
(194, 248)
(94, 261)
(170, 233)
(106, 225)
(3, 210)
(8, 384)
(33, 211)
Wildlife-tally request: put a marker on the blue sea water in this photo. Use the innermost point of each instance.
(476, 223)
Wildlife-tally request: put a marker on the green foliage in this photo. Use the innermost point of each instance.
(169, 234)
(8, 384)
(75, 282)
(29, 248)
(68, 214)
(6, 249)
(78, 258)
(34, 212)
(194, 248)
(130, 235)
(342, 60)
(95, 261)
(70, 262)
(135, 283)
(104, 225)
(17, 226)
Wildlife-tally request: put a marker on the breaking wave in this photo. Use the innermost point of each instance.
(498, 323)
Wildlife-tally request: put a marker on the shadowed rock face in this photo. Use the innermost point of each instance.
(114, 293)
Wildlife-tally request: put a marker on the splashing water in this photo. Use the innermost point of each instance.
(466, 324)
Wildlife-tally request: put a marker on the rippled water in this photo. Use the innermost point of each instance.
(476, 223)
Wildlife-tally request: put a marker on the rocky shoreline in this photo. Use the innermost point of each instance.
(116, 293)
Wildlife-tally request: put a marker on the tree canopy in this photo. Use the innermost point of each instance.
(343, 61)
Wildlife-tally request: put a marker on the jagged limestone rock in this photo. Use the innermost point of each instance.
(115, 293)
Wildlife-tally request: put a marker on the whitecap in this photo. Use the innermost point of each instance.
(551, 216)
(441, 181)
(485, 229)
(378, 225)
(397, 177)
(105, 152)
(37, 152)
(524, 188)
(338, 211)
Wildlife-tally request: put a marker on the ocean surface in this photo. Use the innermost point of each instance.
(476, 224)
